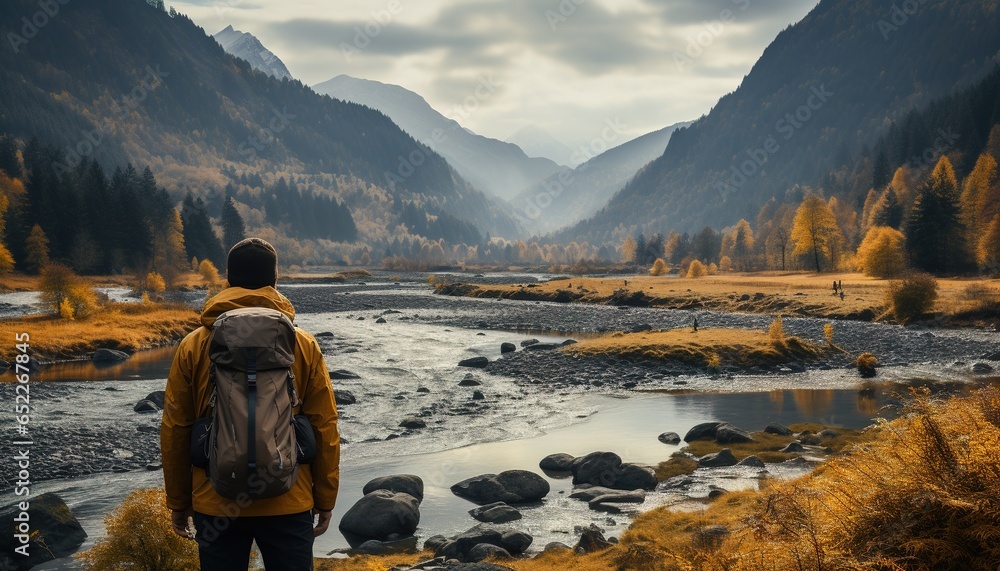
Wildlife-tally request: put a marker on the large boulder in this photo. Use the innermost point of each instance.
(474, 362)
(103, 355)
(382, 513)
(498, 512)
(592, 539)
(157, 398)
(400, 483)
(145, 406)
(721, 458)
(511, 487)
(729, 434)
(54, 532)
(557, 463)
(507, 348)
(516, 541)
(982, 369)
(344, 397)
(606, 469)
(703, 431)
(485, 551)
(779, 429)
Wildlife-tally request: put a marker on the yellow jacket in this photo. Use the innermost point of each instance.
(187, 399)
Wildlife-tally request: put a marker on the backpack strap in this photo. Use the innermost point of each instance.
(251, 356)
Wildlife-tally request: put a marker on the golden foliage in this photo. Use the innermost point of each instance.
(629, 249)
(726, 264)
(988, 254)
(66, 310)
(776, 332)
(912, 296)
(155, 283)
(882, 253)
(815, 231)
(208, 272)
(140, 537)
(659, 268)
(697, 270)
(59, 286)
(867, 363)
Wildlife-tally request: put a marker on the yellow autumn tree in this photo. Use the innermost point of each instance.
(659, 268)
(629, 250)
(169, 255)
(697, 270)
(815, 231)
(882, 253)
(980, 194)
(988, 254)
(36, 249)
(208, 272)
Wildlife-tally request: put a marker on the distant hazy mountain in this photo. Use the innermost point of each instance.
(824, 89)
(490, 165)
(537, 142)
(567, 198)
(245, 45)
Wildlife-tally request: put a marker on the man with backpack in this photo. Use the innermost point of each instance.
(249, 437)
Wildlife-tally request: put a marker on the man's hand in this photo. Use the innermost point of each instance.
(180, 522)
(323, 522)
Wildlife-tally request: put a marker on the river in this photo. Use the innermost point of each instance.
(84, 421)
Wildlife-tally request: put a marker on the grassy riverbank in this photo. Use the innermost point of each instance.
(127, 327)
(920, 492)
(962, 301)
(702, 348)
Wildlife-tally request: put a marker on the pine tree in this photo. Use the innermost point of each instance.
(200, 240)
(887, 211)
(989, 248)
(743, 243)
(233, 229)
(979, 197)
(935, 235)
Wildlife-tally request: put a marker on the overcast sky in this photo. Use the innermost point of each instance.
(565, 65)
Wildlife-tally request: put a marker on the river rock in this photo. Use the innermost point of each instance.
(516, 542)
(485, 551)
(103, 355)
(556, 546)
(478, 395)
(376, 547)
(344, 397)
(828, 433)
(751, 462)
(993, 357)
(729, 434)
(591, 540)
(497, 512)
(703, 431)
(529, 342)
(157, 398)
(542, 347)
(145, 406)
(606, 469)
(382, 513)
(603, 503)
(507, 348)
(721, 458)
(341, 374)
(412, 422)
(55, 533)
(557, 463)
(470, 380)
(568, 342)
(982, 369)
(435, 542)
(670, 438)
(779, 429)
(586, 492)
(511, 487)
(793, 448)
(474, 362)
(399, 483)
(381, 320)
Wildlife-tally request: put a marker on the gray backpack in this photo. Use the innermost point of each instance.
(250, 438)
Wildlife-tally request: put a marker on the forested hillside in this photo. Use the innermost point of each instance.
(824, 89)
(120, 81)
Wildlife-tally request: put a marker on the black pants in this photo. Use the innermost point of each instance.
(285, 541)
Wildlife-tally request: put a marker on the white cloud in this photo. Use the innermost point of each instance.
(567, 65)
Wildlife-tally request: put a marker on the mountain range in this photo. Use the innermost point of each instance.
(537, 142)
(493, 166)
(121, 81)
(822, 90)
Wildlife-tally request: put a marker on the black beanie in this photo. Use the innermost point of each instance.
(252, 264)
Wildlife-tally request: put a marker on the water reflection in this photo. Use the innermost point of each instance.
(144, 365)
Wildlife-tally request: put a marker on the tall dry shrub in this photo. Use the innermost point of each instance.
(912, 296)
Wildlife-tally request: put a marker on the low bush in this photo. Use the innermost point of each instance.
(912, 296)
